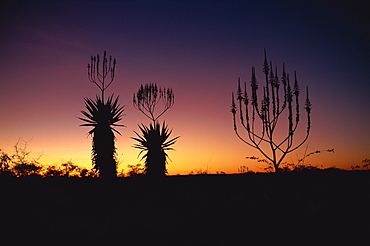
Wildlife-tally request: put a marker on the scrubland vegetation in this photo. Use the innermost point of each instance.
(21, 164)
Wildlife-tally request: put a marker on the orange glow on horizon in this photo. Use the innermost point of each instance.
(184, 159)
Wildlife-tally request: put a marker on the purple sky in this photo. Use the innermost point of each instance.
(199, 49)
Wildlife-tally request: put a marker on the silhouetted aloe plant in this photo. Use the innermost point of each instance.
(103, 116)
(269, 112)
(154, 139)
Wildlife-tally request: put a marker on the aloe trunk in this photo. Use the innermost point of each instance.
(155, 164)
(103, 152)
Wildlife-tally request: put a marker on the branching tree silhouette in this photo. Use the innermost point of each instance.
(20, 164)
(269, 112)
(155, 138)
(103, 116)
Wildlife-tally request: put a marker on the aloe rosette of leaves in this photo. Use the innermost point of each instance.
(154, 139)
(103, 116)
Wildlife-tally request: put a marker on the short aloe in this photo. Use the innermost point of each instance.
(154, 140)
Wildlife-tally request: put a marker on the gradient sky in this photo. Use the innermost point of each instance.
(199, 48)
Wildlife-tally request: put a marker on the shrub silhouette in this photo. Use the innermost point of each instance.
(103, 116)
(20, 164)
(154, 139)
(26, 169)
(269, 110)
(300, 165)
(5, 162)
(68, 169)
(135, 170)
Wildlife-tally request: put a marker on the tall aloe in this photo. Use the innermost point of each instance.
(103, 116)
(155, 141)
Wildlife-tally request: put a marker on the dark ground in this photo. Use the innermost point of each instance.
(319, 207)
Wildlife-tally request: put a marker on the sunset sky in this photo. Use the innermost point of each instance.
(199, 49)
